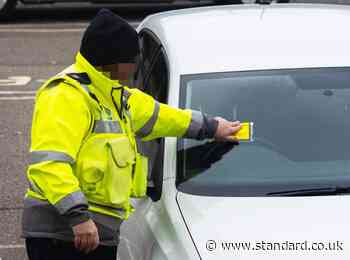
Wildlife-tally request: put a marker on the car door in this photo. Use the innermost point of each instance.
(152, 77)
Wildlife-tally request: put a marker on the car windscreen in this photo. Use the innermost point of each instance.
(301, 132)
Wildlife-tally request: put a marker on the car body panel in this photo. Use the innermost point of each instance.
(253, 37)
(157, 230)
(277, 219)
(250, 37)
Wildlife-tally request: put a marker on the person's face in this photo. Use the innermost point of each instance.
(123, 72)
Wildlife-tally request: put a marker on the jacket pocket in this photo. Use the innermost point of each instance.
(118, 177)
(91, 181)
(104, 169)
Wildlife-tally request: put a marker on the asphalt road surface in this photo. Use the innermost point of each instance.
(36, 44)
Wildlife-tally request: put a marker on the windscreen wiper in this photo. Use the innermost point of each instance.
(312, 192)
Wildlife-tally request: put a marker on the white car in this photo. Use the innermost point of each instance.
(7, 7)
(285, 193)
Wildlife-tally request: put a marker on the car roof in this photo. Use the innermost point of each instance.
(253, 37)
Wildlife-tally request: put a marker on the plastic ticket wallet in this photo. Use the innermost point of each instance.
(246, 133)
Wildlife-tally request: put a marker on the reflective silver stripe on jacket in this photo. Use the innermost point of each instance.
(195, 125)
(104, 126)
(71, 200)
(107, 126)
(148, 127)
(42, 156)
(119, 211)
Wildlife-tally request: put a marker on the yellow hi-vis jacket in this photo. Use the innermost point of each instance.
(85, 136)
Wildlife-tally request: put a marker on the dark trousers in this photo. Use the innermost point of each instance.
(54, 249)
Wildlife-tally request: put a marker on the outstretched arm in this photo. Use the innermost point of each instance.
(152, 119)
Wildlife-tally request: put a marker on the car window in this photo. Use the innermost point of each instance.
(155, 80)
(150, 49)
(157, 84)
(301, 132)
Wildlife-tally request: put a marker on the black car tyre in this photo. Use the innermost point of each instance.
(6, 8)
(283, 1)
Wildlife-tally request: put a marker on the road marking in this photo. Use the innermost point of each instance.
(16, 92)
(15, 81)
(41, 80)
(11, 246)
(48, 25)
(26, 95)
(54, 25)
(24, 30)
(18, 98)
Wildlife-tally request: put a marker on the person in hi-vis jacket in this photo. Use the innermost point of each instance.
(85, 164)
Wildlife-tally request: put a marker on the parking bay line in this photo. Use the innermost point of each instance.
(25, 30)
(11, 246)
(18, 98)
(17, 92)
(17, 95)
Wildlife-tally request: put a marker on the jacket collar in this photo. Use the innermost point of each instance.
(101, 85)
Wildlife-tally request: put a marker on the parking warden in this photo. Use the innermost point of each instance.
(85, 164)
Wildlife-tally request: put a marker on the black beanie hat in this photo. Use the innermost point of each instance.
(108, 40)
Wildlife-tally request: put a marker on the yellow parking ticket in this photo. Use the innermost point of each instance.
(246, 133)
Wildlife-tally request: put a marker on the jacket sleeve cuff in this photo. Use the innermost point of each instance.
(208, 128)
(77, 216)
(212, 126)
(201, 126)
(195, 125)
(74, 207)
(70, 201)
